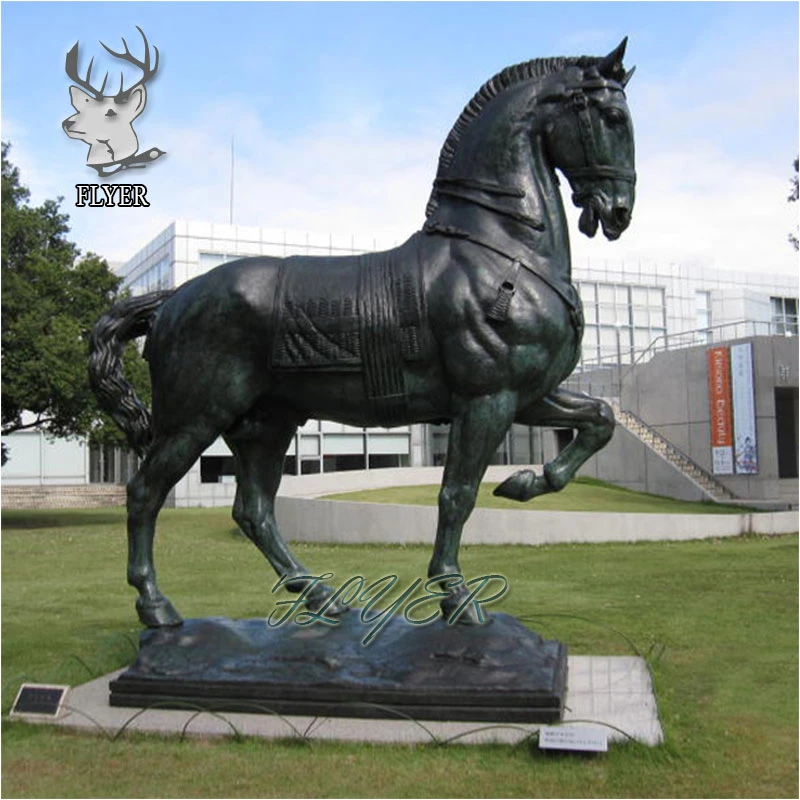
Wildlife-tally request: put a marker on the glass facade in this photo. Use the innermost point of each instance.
(620, 320)
(627, 308)
(207, 261)
(702, 300)
(155, 279)
(784, 315)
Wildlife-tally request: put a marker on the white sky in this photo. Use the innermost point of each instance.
(339, 112)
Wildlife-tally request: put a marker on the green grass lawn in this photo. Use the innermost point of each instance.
(717, 620)
(581, 494)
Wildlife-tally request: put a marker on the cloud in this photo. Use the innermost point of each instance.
(714, 152)
(705, 194)
(701, 208)
(343, 177)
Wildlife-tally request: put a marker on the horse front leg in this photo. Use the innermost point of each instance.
(475, 433)
(594, 421)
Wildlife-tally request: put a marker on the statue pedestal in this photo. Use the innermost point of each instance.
(500, 672)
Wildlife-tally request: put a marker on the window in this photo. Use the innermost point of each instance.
(702, 304)
(207, 261)
(784, 315)
(154, 279)
(620, 320)
(109, 464)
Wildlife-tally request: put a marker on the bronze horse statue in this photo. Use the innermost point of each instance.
(473, 321)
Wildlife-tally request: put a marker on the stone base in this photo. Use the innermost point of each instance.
(500, 672)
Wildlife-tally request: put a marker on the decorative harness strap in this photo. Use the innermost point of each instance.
(499, 310)
(464, 188)
(379, 325)
(458, 187)
(579, 101)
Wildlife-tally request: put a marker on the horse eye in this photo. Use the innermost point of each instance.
(614, 116)
(111, 113)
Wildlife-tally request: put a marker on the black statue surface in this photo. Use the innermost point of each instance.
(473, 321)
(501, 671)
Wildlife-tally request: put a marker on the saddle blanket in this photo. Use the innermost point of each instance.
(361, 312)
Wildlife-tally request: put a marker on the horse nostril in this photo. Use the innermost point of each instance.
(622, 215)
(67, 124)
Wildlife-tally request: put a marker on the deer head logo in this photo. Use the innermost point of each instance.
(105, 122)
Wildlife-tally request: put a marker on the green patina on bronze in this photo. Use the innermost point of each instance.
(473, 321)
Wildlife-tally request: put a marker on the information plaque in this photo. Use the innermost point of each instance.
(38, 700)
(573, 737)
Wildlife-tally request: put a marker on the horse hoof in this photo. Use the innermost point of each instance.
(318, 601)
(158, 614)
(521, 486)
(456, 613)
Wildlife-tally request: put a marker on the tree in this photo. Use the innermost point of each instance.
(793, 196)
(51, 299)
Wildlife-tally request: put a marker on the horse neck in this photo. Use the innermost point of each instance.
(530, 224)
(554, 242)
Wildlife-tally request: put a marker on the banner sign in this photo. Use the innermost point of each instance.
(744, 409)
(719, 398)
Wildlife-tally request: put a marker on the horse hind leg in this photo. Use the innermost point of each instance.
(259, 446)
(594, 421)
(168, 460)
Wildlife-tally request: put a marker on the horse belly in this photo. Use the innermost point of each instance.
(344, 396)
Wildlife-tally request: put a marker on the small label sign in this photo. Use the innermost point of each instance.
(573, 737)
(38, 700)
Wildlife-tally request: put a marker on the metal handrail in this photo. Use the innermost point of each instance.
(675, 450)
(669, 341)
(665, 342)
(753, 324)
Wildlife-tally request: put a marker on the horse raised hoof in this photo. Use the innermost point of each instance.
(158, 613)
(523, 485)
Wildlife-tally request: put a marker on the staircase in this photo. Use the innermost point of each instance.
(708, 484)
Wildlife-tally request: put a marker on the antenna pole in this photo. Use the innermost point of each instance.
(230, 216)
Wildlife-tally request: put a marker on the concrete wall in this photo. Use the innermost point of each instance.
(222, 494)
(89, 495)
(627, 461)
(328, 521)
(36, 460)
(670, 393)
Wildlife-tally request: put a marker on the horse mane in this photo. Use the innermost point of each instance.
(510, 76)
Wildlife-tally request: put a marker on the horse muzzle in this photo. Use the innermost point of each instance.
(614, 217)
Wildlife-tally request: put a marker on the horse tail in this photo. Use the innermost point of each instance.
(126, 320)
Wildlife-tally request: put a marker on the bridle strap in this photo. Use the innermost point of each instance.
(580, 104)
(601, 171)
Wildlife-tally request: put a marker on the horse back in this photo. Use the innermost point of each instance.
(335, 313)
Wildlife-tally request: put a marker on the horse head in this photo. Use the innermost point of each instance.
(588, 135)
(564, 113)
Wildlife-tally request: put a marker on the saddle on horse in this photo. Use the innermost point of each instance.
(354, 313)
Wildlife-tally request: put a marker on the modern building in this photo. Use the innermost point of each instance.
(635, 313)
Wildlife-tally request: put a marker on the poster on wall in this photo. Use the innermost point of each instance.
(719, 398)
(744, 409)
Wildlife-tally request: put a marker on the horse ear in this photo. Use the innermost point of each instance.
(628, 76)
(611, 65)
